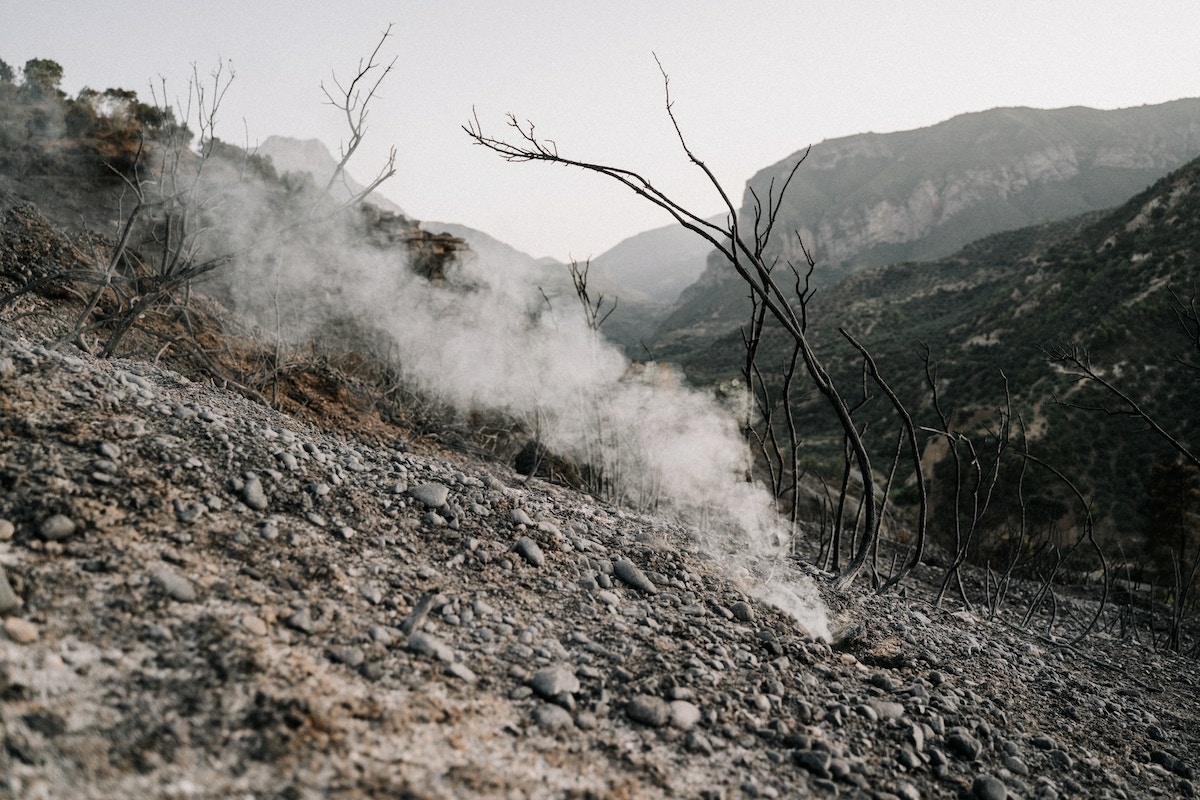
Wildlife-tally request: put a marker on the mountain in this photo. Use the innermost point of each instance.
(867, 200)
(312, 156)
(656, 265)
(1109, 283)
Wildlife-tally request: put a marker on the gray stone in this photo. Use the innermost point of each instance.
(987, 787)
(57, 527)
(253, 494)
(429, 645)
(684, 714)
(629, 574)
(815, 761)
(301, 621)
(961, 743)
(175, 585)
(649, 710)
(887, 709)
(554, 681)
(433, 495)
(529, 550)
(350, 656)
(7, 529)
(552, 717)
(1015, 765)
(461, 671)
(742, 611)
(8, 598)
(1043, 742)
(519, 517)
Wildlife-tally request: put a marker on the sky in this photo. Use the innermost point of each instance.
(752, 82)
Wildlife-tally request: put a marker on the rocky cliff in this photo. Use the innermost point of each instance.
(872, 199)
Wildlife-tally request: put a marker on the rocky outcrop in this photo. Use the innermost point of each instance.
(872, 199)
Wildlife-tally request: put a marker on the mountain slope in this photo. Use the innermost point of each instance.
(656, 264)
(1107, 282)
(873, 199)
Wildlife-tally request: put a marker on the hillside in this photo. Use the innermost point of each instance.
(872, 199)
(1108, 282)
(296, 502)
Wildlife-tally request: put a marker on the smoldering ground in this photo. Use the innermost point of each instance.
(512, 341)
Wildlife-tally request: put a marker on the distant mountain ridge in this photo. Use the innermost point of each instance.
(871, 199)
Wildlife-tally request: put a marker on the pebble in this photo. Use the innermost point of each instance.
(742, 611)
(20, 631)
(815, 761)
(529, 550)
(961, 743)
(649, 710)
(552, 682)
(175, 585)
(552, 717)
(429, 645)
(987, 787)
(629, 574)
(254, 624)
(7, 529)
(8, 598)
(433, 495)
(301, 621)
(519, 517)
(887, 709)
(684, 714)
(57, 527)
(253, 494)
(461, 671)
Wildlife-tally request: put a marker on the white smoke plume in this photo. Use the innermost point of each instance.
(490, 339)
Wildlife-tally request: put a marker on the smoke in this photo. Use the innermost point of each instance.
(502, 340)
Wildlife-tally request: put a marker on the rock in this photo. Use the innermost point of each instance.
(1043, 742)
(815, 761)
(9, 601)
(429, 645)
(301, 621)
(175, 585)
(649, 710)
(742, 611)
(987, 787)
(350, 656)
(529, 550)
(20, 631)
(253, 494)
(461, 671)
(254, 624)
(629, 574)
(554, 681)
(684, 714)
(552, 717)
(433, 495)
(57, 527)
(962, 744)
(519, 517)
(7, 529)
(887, 709)
(1015, 765)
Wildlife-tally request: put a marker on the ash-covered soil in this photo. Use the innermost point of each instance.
(204, 598)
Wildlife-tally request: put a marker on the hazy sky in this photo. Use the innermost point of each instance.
(752, 83)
